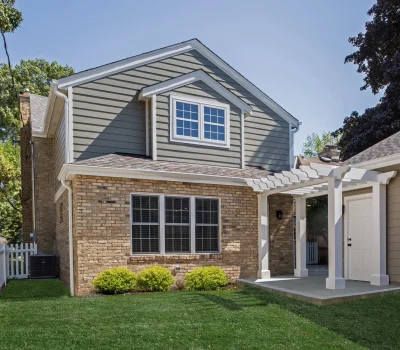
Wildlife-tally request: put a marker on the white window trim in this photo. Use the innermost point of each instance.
(161, 222)
(200, 140)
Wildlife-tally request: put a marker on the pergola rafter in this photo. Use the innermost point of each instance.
(317, 180)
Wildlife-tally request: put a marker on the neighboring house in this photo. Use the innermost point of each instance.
(154, 159)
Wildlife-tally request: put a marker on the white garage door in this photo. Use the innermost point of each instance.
(358, 237)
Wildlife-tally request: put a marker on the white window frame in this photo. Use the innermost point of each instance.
(161, 223)
(200, 140)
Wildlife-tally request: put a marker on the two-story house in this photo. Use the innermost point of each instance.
(147, 161)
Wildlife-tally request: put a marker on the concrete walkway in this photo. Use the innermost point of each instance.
(312, 289)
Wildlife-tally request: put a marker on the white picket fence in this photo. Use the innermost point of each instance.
(312, 253)
(17, 260)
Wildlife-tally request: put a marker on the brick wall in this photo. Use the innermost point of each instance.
(44, 193)
(281, 235)
(26, 161)
(102, 230)
(62, 239)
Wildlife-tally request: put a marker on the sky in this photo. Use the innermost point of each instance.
(292, 50)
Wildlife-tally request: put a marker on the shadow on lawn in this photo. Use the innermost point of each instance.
(224, 302)
(27, 290)
(373, 323)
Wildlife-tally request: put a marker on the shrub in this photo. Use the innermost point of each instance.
(155, 279)
(115, 281)
(206, 278)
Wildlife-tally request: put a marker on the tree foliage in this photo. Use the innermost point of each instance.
(36, 75)
(315, 143)
(10, 191)
(10, 17)
(378, 58)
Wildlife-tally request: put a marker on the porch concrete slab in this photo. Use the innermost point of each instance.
(312, 289)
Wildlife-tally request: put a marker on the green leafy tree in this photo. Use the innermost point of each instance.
(315, 143)
(378, 58)
(36, 75)
(10, 191)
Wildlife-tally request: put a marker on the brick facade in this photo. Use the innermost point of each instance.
(101, 225)
(44, 182)
(26, 166)
(281, 235)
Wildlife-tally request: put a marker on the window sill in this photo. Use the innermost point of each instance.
(200, 143)
(174, 257)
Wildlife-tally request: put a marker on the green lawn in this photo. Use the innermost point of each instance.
(40, 315)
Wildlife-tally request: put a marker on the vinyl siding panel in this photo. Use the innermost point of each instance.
(393, 225)
(108, 117)
(59, 150)
(185, 152)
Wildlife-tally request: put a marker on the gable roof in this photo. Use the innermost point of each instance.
(38, 112)
(387, 147)
(190, 78)
(169, 51)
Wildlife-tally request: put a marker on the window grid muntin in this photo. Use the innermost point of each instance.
(187, 119)
(177, 224)
(192, 225)
(214, 123)
(223, 140)
(139, 227)
(209, 210)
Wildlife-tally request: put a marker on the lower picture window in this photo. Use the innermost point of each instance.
(184, 225)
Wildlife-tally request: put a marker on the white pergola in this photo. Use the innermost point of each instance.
(317, 180)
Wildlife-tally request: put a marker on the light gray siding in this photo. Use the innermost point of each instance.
(59, 149)
(108, 118)
(185, 152)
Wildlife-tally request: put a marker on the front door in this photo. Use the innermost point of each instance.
(359, 237)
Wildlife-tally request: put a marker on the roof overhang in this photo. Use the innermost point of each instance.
(312, 181)
(166, 52)
(54, 110)
(199, 75)
(382, 162)
(69, 171)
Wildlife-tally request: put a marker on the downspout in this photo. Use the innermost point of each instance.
(33, 234)
(67, 185)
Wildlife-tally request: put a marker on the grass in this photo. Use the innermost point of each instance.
(41, 315)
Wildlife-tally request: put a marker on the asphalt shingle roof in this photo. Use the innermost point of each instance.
(123, 161)
(38, 112)
(386, 147)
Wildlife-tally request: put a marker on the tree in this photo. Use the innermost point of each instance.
(378, 58)
(36, 75)
(10, 191)
(315, 144)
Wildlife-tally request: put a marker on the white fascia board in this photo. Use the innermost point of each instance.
(68, 171)
(190, 78)
(382, 162)
(153, 56)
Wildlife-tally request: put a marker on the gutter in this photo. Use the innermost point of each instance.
(67, 185)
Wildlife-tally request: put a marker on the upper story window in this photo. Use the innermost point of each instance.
(199, 121)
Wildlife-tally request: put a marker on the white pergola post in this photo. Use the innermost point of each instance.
(379, 276)
(263, 237)
(301, 239)
(335, 278)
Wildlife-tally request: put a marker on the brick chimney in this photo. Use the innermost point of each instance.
(26, 165)
(330, 152)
